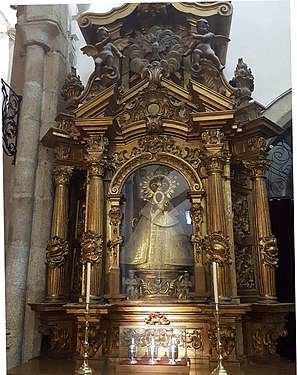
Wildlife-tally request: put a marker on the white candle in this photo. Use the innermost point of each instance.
(215, 282)
(88, 284)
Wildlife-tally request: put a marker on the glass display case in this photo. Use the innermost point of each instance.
(153, 346)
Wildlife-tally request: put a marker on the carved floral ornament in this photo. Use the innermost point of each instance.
(269, 251)
(157, 318)
(56, 252)
(91, 247)
(216, 246)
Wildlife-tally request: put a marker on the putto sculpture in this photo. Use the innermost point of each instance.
(201, 47)
(103, 51)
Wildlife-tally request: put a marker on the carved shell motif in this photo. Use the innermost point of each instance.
(157, 44)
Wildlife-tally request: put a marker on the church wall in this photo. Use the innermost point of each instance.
(41, 56)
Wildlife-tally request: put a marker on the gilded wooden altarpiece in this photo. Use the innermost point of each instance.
(155, 123)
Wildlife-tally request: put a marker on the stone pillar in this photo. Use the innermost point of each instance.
(265, 242)
(58, 247)
(18, 247)
(216, 241)
(92, 239)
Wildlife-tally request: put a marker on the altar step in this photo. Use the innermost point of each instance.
(45, 366)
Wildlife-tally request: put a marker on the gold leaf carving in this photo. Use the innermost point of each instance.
(56, 252)
(91, 247)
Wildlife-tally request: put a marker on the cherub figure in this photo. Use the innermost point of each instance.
(184, 284)
(103, 52)
(201, 46)
(131, 283)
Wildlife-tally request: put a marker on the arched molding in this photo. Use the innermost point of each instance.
(145, 159)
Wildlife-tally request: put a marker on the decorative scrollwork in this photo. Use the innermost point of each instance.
(10, 119)
(266, 338)
(269, 251)
(56, 252)
(194, 339)
(157, 318)
(91, 247)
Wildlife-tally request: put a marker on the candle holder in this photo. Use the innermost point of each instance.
(85, 369)
(172, 352)
(132, 352)
(220, 369)
(153, 352)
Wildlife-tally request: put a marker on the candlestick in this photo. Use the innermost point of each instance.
(215, 282)
(88, 284)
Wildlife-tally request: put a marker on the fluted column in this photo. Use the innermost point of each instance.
(58, 247)
(216, 242)
(266, 246)
(92, 239)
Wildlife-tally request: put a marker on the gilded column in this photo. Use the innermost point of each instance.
(266, 245)
(216, 242)
(92, 239)
(58, 247)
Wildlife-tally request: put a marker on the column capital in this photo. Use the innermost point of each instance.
(257, 168)
(62, 173)
(214, 162)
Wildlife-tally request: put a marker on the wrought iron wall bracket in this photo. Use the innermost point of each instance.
(10, 118)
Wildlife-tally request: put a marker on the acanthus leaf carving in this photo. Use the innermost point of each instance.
(157, 318)
(228, 339)
(194, 339)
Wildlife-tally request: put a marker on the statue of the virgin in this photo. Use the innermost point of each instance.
(158, 241)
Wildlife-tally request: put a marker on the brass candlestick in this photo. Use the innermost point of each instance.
(220, 369)
(85, 369)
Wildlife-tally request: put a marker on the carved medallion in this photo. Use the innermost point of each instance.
(91, 247)
(157, 318)
(56, 252)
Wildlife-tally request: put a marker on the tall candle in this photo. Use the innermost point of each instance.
(88, 287)
(215, 282)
